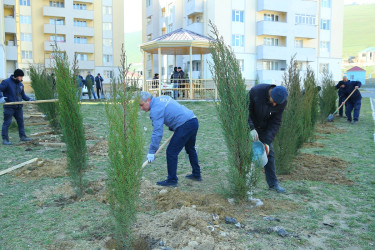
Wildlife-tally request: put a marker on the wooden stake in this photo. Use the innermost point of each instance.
(160, 148)
(42, 133)
(18, 166)
(36, 124)
(31, 102)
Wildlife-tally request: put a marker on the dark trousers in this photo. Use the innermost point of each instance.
(270, 169)
(184, 136)
(98, 92)
(349, 106)
(18, 115)
(341, 100)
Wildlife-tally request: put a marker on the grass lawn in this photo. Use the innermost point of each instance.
(36, 211)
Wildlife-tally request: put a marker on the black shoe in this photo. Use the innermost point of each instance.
(167, 183)
(193, 177)
(6, 142)
(348, 121)
(24, 138)
(278, 189)
(354, 122)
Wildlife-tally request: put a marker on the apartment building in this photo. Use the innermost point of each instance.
(264, 34)
(91, 30)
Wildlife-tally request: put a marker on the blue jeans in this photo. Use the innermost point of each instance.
(349, 106)
(18, 115)
(184, 136)
(341, 100)
(175, 92)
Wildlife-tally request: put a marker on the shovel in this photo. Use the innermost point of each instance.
(160, 148)
(331, 117)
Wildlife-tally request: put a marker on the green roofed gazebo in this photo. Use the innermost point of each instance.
(178, 42)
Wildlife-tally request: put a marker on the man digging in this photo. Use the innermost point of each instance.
(181, 120)
(267, 104)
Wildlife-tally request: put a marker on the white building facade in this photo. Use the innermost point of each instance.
(264, 34)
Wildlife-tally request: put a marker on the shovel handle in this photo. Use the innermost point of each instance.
(159, 149)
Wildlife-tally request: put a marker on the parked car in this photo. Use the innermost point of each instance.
(84, 90)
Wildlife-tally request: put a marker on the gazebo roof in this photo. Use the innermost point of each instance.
(178, 42)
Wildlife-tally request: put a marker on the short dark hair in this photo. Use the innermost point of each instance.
(179, 67)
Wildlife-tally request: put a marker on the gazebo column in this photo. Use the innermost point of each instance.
(191, 72)
(159, 65)
(144, 72)
(201, 65)
(152, 65)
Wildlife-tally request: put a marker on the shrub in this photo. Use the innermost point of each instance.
(71, 120)
(233, 112)
(125, 150)
(290, 136)
(328, 97)
(310, 104)
(42, 85)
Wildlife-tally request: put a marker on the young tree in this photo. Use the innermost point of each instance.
(233, 112)
(310, 104)
(328, 97)
(125, 150)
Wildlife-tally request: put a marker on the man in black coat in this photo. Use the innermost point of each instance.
(354, 102)
(341, 94)
(99, 85)
(266, 107)
(13, 91)
(175, 79)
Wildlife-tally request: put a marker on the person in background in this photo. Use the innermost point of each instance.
(90, 84)
(175, 79)
(182, 81)
(79, 83)
(354, 102)
(99, 85)
(155, 84)
(13, 91)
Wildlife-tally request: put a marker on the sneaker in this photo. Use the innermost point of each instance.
(24, 138)
(278, 189)
(6, 142)
(193, 177)
(167, 183)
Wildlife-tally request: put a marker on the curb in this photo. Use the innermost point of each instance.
(372, 102)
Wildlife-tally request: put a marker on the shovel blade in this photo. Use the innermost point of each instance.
(330, 118)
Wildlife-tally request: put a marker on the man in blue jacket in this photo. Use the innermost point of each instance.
(181, 120)
(354, 102)
(99, 85)
(266, 107)
(13, 91)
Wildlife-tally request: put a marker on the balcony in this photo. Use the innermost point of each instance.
(11, 53)
(305, 54)
(60, 29)
(274, 5)
(10, 25)
(196, 27)
(306, 31)
(48, 46)
(84, 48)
(193, 7)
(54, 11)
(9, 2)
(86, 64)
(83, 31)
(83, 14)
(272, 28)
(272, 52)
(86, 1)
(270, 76)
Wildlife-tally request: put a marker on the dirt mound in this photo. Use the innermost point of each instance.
(100, 148)
(313, 167)
(328, 128)
(313, 145)
(42, 168)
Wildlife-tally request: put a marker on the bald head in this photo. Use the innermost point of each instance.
(345, 78)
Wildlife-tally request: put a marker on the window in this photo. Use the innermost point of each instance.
(149, 37)
(80, 40)
(25, 2)
(58, 4)
(107, 10)
(58, 54)
(79, 6)
(148, 3)
(26, 54)
(269, 41)
(170, 28)
(59, 38)
(325, 24)
(107, 42)
(162, 70)
(25, 19)
(326, 3)
(26, 71)
(26, 37)
(237, 16)
(305, 19)
(196, 65)
(107, 26)
(80, 23)
(298, 43)
(324, 46)
(149, 19)
(81, 57)
(58, 21)
(271, 65)
(241, 64)
(108, 74)
(323, 67)
(237, 40)
(107, 58)
(271, 17)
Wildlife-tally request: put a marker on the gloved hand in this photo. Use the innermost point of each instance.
(267, 148)
(31, 99)
(2, 99)
(254, 135)
(151, 157)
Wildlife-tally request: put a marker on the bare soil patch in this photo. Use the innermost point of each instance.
(313, 167)
(313, 145)
(42, 168)
(328, 128)
(100, 148)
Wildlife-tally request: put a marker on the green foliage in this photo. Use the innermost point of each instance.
(310, 104)
(290, 136)
(328, 96)
(125, 150)
(233, 112)
(89, 85)
(42, 85)
(71, 121)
